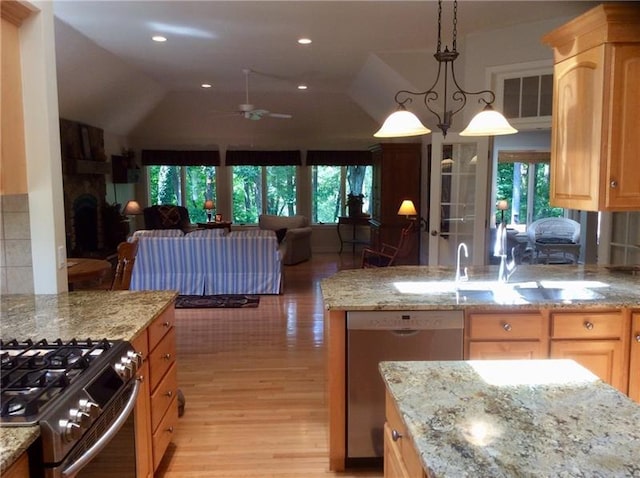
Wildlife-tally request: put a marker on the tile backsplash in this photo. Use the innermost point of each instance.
(16, 272)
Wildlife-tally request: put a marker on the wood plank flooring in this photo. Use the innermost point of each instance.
(254, 383)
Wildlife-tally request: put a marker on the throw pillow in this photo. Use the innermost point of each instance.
(280, 233)
(169, 217)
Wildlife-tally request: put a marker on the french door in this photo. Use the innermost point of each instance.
(459, 180)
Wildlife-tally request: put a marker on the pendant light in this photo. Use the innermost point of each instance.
(403, 123)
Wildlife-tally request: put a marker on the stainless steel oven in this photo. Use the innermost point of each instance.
(82, 394)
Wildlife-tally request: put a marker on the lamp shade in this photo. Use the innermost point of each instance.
(401, 123)
(209, 204)
(488, 122)
(132, 208)
(407, 208)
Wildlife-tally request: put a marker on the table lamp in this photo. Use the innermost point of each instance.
(209, 206)
(407, 209)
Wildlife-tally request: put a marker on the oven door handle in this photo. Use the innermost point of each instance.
(73, 469)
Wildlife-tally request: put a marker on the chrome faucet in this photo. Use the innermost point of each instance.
(461, 277)
(500, 250)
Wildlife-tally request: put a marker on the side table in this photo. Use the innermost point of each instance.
(215, 225)
(354, 222)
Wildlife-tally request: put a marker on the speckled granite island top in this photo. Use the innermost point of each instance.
(100, 314)
(539, 418)
(421, 287)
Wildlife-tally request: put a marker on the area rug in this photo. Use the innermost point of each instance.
(216, 301)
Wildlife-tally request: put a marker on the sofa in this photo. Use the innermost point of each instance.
(293, 232)
(209, 261)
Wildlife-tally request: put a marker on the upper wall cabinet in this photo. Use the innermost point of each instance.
(596, 105)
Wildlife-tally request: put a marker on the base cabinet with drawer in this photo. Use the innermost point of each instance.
(634, 360)
(596, 340)
(504, 335)
(401, 459)
(157, 407)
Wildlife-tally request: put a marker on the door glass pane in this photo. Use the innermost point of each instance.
(200, 186)
(247, 194)
(281, 190)
(541, 206)
(164, 185)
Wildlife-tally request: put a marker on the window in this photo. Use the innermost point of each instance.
(330, 186)
(263, 190)
(187, 186)
(524, 183)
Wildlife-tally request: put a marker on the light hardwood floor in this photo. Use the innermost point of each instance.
(254, 383)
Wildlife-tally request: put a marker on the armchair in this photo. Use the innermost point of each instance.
(167, 216)
(294, 232)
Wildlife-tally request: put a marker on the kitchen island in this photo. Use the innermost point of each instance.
(116, 315)
(582, 312)
(509, 418)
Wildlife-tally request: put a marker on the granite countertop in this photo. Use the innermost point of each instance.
(421, 287)
(92, 314)
(515, 418)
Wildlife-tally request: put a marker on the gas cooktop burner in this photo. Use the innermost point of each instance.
(35, 373)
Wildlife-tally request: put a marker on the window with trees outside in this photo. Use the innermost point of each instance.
(263, 190)
(330, 187)
(525, 186)
(187, 186)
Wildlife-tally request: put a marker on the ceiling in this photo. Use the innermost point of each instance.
(213, 41)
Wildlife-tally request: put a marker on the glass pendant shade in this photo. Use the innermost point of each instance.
(488, 123)
(401, 124)
(407, 208)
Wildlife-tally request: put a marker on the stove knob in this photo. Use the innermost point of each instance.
(70, 431)
(89, 407)
(125, 368)
(136, 357)
(81, 418)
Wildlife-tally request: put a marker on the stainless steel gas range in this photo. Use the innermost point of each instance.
(81, 393)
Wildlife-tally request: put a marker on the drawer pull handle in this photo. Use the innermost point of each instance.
(166, 324)
(638, 338)
(395, 436)
(140, 378)
(507, 327)
(167, 356)
(170, 429)
(169, 394)
(588, 325)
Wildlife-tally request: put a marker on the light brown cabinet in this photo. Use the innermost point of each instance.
(634, 361)
(157, 407)
(596, 126)
(19, 468)
(401, 459)
(596, 340)
(506, 335)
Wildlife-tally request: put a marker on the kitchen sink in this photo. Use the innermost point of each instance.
(559, 295)
(523, 292)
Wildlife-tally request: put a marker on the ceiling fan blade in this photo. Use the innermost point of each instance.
(280, 115)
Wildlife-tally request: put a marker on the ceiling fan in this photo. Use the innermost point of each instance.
(249, 111)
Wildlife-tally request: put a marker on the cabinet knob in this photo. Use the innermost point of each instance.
(167, 356)
(169, 394)
(638, 338)
(434, 233)
(613, 184)
(588, 325)
(170, 429)
(166, 324)
(507, 326)
(395, 436)
(140, 378)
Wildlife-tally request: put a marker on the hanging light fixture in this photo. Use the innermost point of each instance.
(404, 123)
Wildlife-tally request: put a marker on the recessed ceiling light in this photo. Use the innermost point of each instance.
(159, 38)
(205, 85)
(302, 87)
(304, 41)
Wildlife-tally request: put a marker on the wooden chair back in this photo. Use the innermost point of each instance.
(387, 255)
(126, 259)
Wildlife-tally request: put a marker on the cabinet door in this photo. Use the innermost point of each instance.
(634, 366)
(507, 350)
(393, 465)
(605, 358)
(576, 130)
(144, 462)
(622, 188)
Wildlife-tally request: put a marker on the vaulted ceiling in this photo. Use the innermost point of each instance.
(112, 75)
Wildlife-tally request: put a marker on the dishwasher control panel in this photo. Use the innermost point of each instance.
(405, 320)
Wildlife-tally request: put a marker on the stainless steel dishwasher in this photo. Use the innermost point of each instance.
(377, 336)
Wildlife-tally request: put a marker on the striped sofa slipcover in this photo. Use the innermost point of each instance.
(209, 262)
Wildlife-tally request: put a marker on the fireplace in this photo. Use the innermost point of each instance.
(85, 224)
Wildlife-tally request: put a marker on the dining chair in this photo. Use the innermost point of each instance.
(126, 259)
